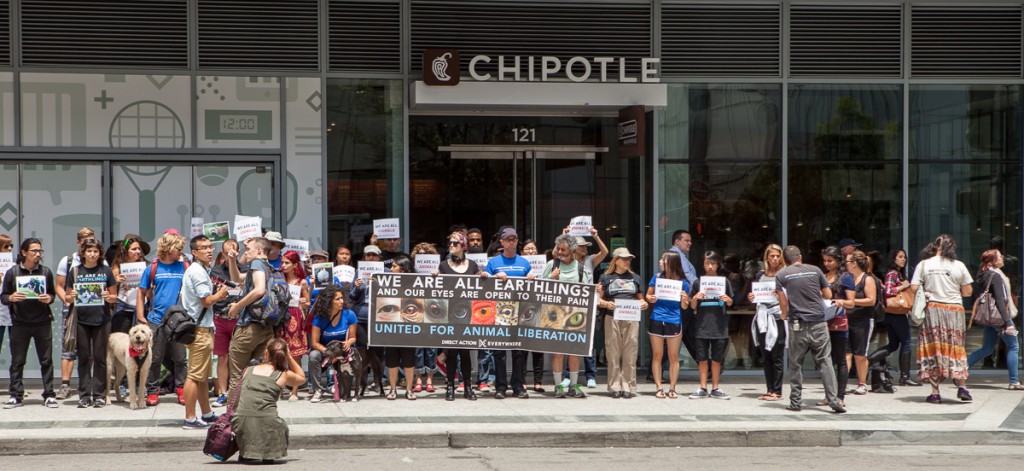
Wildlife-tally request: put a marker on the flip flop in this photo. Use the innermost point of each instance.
(774, 397)
(660, 394)
(410, 395)
(392, 395)
(672, 394)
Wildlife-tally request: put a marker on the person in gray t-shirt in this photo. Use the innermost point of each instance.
(802, 290)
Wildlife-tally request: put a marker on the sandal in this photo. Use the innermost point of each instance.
(410, 395)
(672, 394)
(430, 388)
(418, 388)
(392, 395)
(774, 397)
(765, 396)
(660, 394)
(538, 388)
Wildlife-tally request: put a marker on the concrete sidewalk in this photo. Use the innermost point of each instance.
(995, 417)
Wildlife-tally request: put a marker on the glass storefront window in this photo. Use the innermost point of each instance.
(720, 178)
(365, 162)
(840, 122)
(965, 178)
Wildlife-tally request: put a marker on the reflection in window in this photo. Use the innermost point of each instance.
(949, 122)
(364, 156)
(831, 202)
(722, 122)
(845, 122)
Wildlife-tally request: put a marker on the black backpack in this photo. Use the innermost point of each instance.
(878, 311)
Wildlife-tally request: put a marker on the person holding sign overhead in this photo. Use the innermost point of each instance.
(591, 263)
(768, 330)
(711, 296)
(621, 305)
(668, 292)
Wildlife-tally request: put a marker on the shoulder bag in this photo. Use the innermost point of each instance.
(920, 303)
(220, 439)
(985, 313)
(900, 303)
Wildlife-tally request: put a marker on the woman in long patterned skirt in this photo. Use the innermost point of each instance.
(940, 346)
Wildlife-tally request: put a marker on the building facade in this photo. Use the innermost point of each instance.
(764, 121)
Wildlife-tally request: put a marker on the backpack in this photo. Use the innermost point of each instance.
(272, 310)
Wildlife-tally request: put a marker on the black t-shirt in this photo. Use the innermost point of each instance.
(712, 319)
(619, 286)
(445, 269)
(101, 274)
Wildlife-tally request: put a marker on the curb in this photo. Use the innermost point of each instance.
(540, 439)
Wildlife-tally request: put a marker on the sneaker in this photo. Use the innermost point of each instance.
(964, 395)
(570, 391)
(1016, 387)
(700, 393)
(209, 418)
(838, 407)
(579, 391)
(64, 392)
(152, 400)
(461, 388)
(317, 397)
(560, 391)
(123, 390)
(221, 401)
(933, 399)
(565, 383)
(194, 424)
(592, 383)
(628, 394)
(861, 390)
(499, 395)
(84, 403)
(99, 403)
(523, 394)
(181, 395)
(483, 388)
(12, 403)
(794, 407)
(719, 394)
(51, 403)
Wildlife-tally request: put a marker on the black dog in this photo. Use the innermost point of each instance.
(345, 363)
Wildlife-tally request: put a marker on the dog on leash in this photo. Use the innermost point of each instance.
(345, 363)
(130, 354)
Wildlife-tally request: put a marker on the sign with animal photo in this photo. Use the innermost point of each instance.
(216, 231)
(32, 286)
(474, 312)
(89, 294)
(323, 274)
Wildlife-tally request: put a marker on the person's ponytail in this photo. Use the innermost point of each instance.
(277, 354)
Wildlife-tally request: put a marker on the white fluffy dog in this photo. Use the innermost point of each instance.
(130, 353)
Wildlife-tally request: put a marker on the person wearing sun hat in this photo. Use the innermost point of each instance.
(621, 337)
(277, 245)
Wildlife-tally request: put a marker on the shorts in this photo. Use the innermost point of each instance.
(713, 349)
(64, 354)
(664, 329)
(200, 360)
(861, 327)
(400, 357)
(222, 334)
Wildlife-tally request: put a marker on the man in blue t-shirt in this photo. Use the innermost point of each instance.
(164, 284)
(509, 264)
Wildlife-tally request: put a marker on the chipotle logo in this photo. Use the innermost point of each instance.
(441, 67)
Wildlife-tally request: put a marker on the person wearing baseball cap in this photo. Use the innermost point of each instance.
(276, 244)
(847, 246)
(509, 264)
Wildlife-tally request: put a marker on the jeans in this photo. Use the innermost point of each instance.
(898, 328)
(992, 335)
(316, 370)
(485, 366)
(590, 367)
(426, 361)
